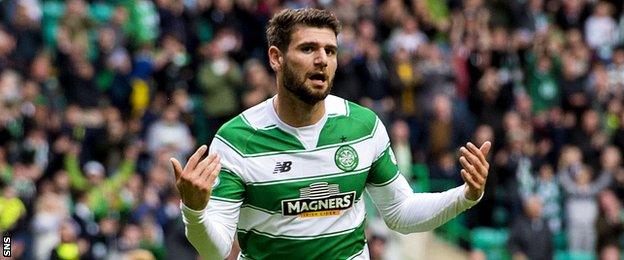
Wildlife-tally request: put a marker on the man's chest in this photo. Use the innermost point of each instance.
(308, 183)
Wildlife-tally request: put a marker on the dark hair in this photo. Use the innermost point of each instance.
(282, 25)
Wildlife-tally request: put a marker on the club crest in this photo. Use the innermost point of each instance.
(346, 158)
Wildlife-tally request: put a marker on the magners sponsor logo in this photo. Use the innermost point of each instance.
(319, 200)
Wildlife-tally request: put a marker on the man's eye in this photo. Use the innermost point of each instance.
(330, 52)
(307, 49)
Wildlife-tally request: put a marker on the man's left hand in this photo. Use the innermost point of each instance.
(475, 168)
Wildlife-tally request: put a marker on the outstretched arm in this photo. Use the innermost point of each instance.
(408, 212)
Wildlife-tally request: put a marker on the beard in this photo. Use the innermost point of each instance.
(297, 86)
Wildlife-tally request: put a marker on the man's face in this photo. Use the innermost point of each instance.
(309, 65)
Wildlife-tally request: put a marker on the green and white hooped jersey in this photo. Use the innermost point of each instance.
(302, 198)
(297, 192)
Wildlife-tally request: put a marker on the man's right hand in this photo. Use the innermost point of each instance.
(195, 181)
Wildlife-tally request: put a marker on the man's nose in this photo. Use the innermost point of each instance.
(321, 58)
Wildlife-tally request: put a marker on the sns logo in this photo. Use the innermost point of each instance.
(6, 246)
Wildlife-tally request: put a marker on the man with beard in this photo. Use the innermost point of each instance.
(288, 175)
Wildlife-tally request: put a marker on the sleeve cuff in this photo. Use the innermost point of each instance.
(467, 201)
(190, 215)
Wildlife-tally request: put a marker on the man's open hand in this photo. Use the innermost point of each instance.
(475, 168)
(195, 181)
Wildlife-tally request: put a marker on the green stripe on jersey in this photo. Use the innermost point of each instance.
(343, 245)
(360, 122)
(246, 140)
(384, 169)
(229, 187)
(272, 194)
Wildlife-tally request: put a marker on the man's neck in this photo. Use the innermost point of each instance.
(295, 112)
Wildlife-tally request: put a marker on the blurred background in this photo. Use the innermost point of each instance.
(96, 95)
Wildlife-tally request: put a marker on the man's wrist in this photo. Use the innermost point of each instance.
(472, 195)
(191, 215)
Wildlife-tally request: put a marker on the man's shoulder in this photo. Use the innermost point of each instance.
(347, 121)
(350, 110)
(241, 127)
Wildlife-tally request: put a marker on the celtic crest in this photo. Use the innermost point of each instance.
(346, 158)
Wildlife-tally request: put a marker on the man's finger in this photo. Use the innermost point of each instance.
(214, 174)
(474, 161)
(201, 167)
(177, 168)
(468, 179)
(476, 174)
(485, 148)
(479, 154)
(465, 164)
(206, 171)
(192, 162)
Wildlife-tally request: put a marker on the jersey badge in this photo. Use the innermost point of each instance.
(346, 158)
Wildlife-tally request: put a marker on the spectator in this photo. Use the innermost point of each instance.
(601, 29)
(70, 246)
(545, 187)
(543, 75)
(405, 81)
(171, 64)
(530, 236)
(437, 75)
(13, 209)
(374, 74)
(400, 136)
(535, 19)
(581, 206)
(590, 137)
(609, 225)
(492, 98)
(50, 212)
(444, 129)
(101, 192)
(219, 80)
(575, 61)
(260, 86)
(170, 132)
(572, 14)
(408, 37)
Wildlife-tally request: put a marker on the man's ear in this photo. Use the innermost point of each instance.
(276, 58)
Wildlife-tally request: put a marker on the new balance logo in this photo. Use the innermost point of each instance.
(281, 167)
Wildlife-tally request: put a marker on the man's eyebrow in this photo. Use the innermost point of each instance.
(312, 43)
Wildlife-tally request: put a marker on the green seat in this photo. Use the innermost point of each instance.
(486, 238)
(455, 230)
(204, 30)
(493, 242)
(574, 255)
(101, 12)
(501, 216)
(53, 9)
(49, 33)
(560, 240)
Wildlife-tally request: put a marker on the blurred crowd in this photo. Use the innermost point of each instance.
(97, 95)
